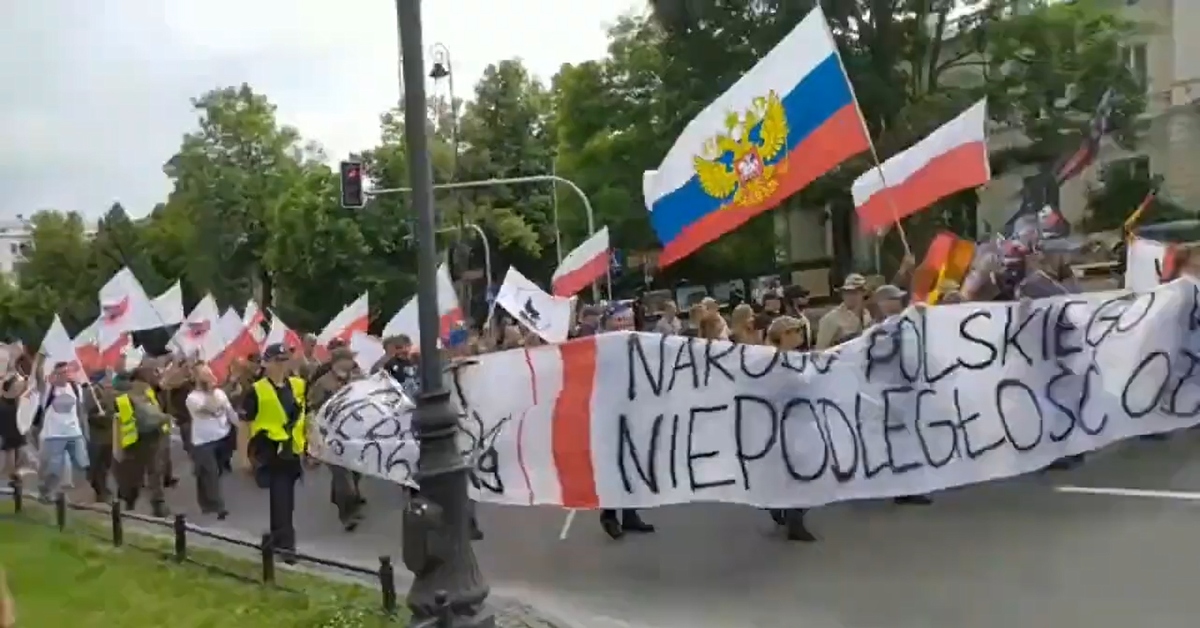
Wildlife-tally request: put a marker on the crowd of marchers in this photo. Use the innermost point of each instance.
(780, 317)
(115, 430)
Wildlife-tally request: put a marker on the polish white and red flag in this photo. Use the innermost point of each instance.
(952, 158)
(169, 306)
(237, 340)
(281, 334)
(124, 309)
(254, 320)
(352, 318)
(584, 265)
(230, 325)
(406, 322)
(87, 349)
(200, 336)
(58, 347)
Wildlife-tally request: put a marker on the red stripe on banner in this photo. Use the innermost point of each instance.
(521, 426)
(572, 425)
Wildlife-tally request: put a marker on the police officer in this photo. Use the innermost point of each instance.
(275, 409)
(343, 490)
(144, 435)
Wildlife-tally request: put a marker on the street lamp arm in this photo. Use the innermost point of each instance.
(484, 183)
(487, 247)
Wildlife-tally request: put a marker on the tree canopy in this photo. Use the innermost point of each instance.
(254, 212)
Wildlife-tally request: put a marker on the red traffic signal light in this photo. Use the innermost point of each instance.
(353, 194)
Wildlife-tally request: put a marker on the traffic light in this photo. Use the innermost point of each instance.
(353, 193)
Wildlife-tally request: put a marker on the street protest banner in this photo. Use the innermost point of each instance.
(934, 398)
(367, 427)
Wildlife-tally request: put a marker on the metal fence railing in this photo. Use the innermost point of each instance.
(182, 533)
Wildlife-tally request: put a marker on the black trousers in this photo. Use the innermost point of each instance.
(101, 463)
(278, 471)
(626, 513)
(282, 504)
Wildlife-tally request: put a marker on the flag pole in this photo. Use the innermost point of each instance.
(884, 183)
(1133, 218)
(867, 132)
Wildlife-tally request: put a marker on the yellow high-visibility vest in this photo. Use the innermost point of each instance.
(126, 424)
(271, 417)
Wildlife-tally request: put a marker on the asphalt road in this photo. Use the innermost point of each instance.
(1015, 553)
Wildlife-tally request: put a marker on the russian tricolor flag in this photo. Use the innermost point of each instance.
(792, 118)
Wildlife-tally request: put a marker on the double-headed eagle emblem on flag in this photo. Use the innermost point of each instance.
(740, 165)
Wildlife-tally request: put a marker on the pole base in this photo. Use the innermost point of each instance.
(448, 588)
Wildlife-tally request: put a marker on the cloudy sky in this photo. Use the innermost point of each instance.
(96, 92)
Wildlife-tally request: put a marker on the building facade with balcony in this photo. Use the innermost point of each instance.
(1166, 59)
(1166, 56)
(15, 237)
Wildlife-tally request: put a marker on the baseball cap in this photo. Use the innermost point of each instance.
(275, 352)
(853, 282)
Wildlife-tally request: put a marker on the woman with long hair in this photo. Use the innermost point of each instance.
(212, 417)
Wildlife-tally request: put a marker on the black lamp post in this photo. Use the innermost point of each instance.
(448, 589)
(444, 69)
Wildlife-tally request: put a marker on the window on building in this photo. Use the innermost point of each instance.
(1137, 60)
(15, 249)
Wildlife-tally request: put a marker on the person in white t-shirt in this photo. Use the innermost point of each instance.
(58, 428)
(212, 417)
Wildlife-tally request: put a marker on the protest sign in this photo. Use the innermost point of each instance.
(935, 398)
(1144, 264)
(367, 427)
(546, 315)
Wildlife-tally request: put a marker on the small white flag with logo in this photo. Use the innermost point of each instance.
(546, 315)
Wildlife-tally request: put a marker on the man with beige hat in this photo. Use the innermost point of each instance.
(848, 320)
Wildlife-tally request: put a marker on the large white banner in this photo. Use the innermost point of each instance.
(367, 427)
(937, 397)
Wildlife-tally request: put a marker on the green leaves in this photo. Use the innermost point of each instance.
(253, 209)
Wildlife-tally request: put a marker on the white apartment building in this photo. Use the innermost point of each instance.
(15, 236)
(1166, 57)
